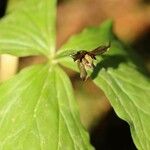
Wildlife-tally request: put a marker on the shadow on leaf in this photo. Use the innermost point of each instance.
(108, 62)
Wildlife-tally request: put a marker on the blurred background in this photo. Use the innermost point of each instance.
(131, 24)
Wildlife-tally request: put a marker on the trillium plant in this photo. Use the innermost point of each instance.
(38, 110)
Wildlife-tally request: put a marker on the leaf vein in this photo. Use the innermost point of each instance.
(72, 114)
(143, 129)
(120, 101)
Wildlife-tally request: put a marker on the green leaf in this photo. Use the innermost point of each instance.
(123, 82)
(12, 4)
(29, 29)
(129, 93)
(38, 112)
(88, 39)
